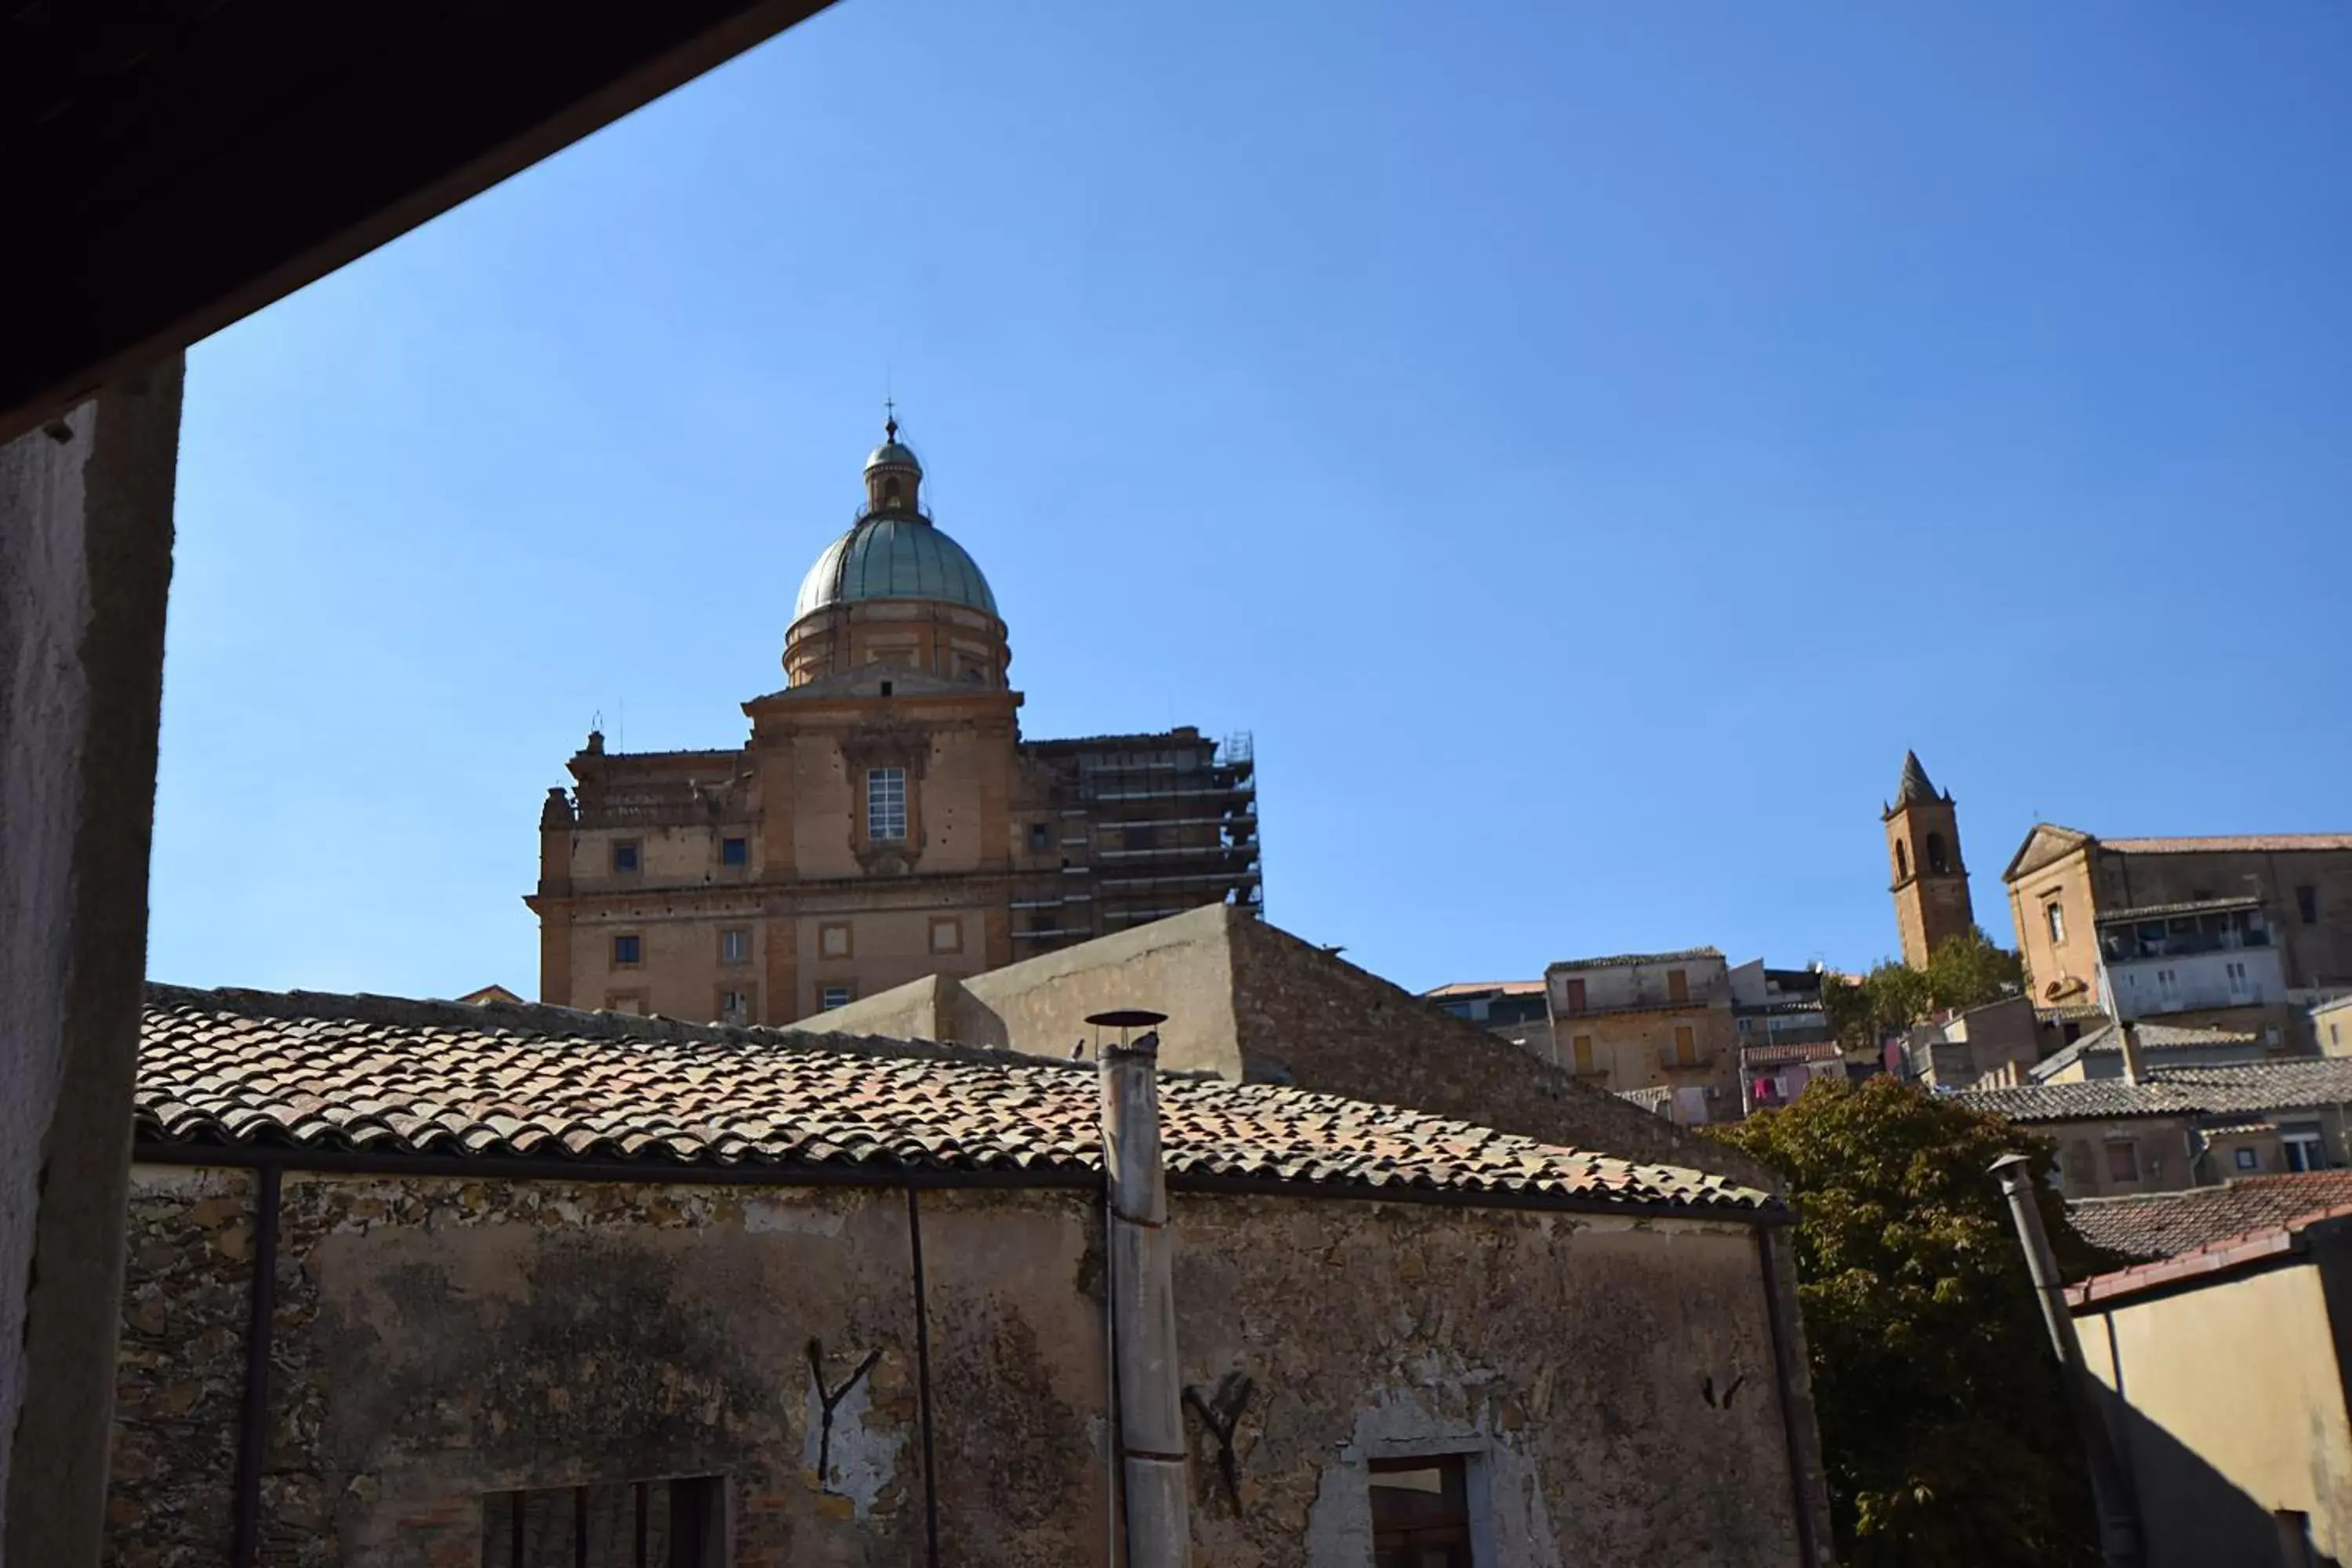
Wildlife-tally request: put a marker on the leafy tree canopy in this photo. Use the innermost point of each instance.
(1944, 1426)
(1965, 971)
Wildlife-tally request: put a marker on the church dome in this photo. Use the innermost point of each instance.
(898, 555)
(894, 551)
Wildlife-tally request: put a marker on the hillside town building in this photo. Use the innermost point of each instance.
(2160, 1126)
(413, 1284)
(886, 820)
(2221, 1370)
(2242, 933)
(1685, 1036)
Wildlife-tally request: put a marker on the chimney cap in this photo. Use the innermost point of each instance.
(1127, 1018)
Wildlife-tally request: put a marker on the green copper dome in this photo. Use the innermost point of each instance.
(897, 556)
(893, 553)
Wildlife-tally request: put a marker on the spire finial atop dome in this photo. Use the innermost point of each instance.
(889, 419)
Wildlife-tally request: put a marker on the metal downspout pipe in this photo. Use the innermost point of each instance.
(1154, 1487)
(2111, 1491)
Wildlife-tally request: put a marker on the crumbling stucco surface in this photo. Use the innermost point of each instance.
(1580, 1360)
(437, 1339)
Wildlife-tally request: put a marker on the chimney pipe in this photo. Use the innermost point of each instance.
(2119, 1544)
(2128, 1036)
(1155, 1488)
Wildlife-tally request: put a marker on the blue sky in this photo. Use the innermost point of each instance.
(1585, 443)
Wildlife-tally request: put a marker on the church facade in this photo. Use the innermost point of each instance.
(886, 820)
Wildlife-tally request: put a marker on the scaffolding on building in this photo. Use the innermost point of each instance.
(1144, 826)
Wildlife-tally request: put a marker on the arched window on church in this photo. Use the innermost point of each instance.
(1902, 863)
(890, 493)
(1935, 862)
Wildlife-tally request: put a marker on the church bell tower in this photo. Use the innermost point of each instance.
(1931, 885)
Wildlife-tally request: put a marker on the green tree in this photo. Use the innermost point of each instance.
(1967, 969)
(1944, 1426)
(1964, 971)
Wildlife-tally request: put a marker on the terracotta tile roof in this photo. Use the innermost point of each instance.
(2252, 1248)
(2095, 1099)
(2280, 1084)
(2230, 842)
(2237, 1088)
(397, 1077)
(2106, 1041)
(2164, 1225)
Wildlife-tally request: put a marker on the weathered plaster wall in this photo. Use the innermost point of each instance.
(85, 563)
(437, 1339)
(2231, 1406)
(1583, 1362)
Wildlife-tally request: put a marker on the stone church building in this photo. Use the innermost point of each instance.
(886, 820)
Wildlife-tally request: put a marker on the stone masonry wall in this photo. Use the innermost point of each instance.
(1326, 1025)
(180, 1387)
(439, 1340)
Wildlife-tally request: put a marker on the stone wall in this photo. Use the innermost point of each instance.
(439, 1339)
(181, 1385)
(1321, 1023)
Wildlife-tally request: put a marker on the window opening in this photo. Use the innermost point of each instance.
(1421, 1513)
(2249, 1160)
(1902, 863)
(2056, 914)
(1936, 859)
(734, 947)
(1677, 986)
(628, 951)
(2123, 1161)
(886, 804)
(734, 852)
(2306, 905)
(834, 997)
(625, 854)
(669, 1523)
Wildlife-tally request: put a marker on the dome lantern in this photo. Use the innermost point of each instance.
(894, 478)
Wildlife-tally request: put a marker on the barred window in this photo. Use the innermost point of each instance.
(886, 804)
